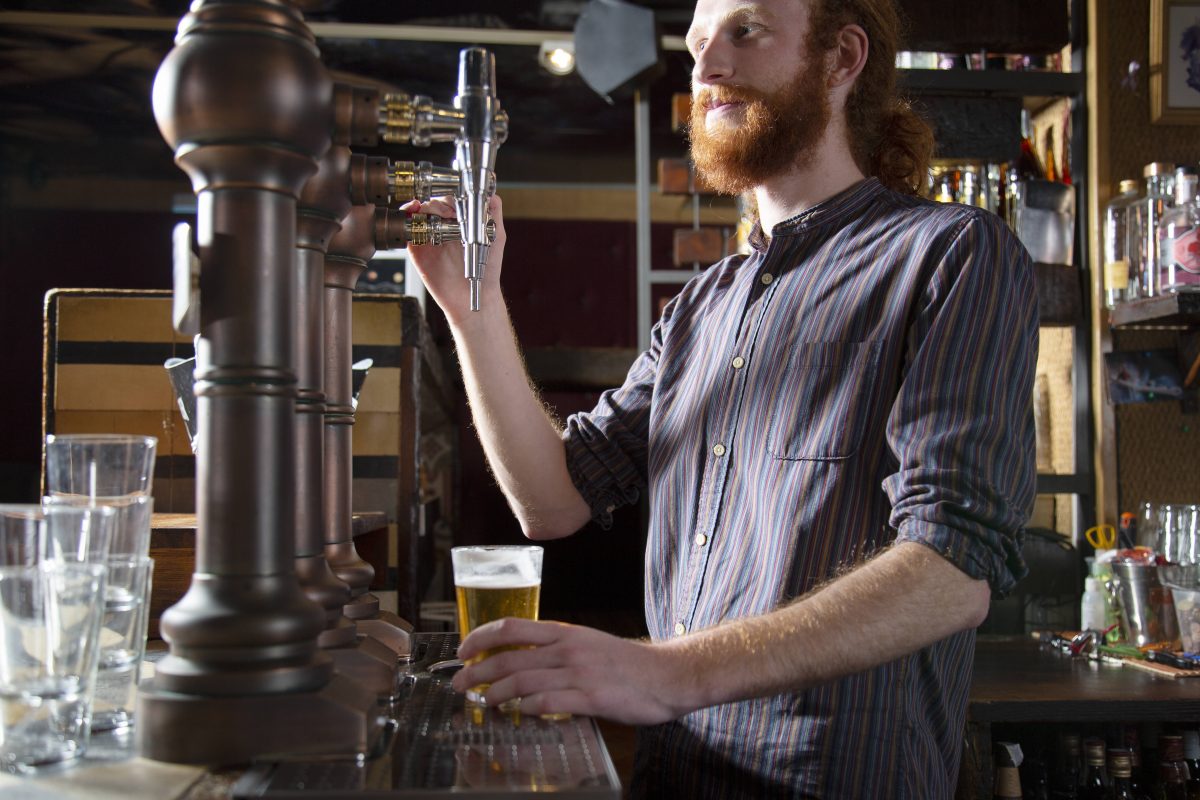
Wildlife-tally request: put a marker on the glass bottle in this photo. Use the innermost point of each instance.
(1051, 168)
(1069, 772)
(1191, 754)
(1096, 780)
(1158, 198)
(1007, 785)
(1119, 767)
(1137, 776)
(945, 189)
(1029, 167)
(1179, 239)
(1122, 256)
(1095, 777)
(1172, 769)
(1066, 167)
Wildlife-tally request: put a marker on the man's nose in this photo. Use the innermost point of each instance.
(712, 64)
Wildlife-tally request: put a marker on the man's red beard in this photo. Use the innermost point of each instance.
(777, 132)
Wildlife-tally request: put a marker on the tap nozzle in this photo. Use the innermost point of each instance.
(421, 181)
(415, 119)
(396, 230)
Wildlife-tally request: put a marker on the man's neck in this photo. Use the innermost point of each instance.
(829, 171)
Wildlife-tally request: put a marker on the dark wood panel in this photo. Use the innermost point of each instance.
(1017, 681)
(979, 128)
(1012, 26)
(1060, 294)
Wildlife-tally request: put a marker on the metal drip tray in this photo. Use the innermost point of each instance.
(437, 743)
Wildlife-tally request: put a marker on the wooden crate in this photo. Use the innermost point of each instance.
(103, 373)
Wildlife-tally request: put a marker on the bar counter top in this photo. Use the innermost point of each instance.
(1015, 680)
(1018, 680)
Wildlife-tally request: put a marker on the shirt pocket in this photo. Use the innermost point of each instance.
(820, 410)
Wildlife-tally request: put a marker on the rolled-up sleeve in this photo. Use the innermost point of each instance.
(607, 447)
(962, 427)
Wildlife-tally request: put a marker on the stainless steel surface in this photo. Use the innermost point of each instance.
(439, 744)
(485, 126)
(1147, 609)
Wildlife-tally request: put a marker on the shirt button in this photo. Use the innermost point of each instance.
(767, 278)
(738, 362)
(701, 540)
(718, 450)
(680, 629)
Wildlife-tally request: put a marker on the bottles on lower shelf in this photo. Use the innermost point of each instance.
(1096, 761)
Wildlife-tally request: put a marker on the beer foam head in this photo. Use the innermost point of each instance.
(497, 567)
(496, 582)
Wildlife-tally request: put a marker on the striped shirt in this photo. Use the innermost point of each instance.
(865, 377)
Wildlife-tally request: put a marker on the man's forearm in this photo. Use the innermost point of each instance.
(905, 599)
(521, 441)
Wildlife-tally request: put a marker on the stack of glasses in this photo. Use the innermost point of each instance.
(1173, 530)
(75, 582)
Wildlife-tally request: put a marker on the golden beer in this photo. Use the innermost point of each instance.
(493, 582)
(482, 601)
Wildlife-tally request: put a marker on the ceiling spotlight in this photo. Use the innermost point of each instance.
(557, 56)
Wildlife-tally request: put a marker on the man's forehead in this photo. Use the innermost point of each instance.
(710, 12)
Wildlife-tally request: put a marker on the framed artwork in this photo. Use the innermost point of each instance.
(1175, 62)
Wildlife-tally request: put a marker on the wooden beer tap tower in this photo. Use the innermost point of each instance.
(352, 247)
(247, 106)
(327, 198)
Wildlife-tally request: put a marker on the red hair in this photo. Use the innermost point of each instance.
(888, 139)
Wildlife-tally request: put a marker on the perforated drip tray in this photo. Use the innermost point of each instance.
(437, 743)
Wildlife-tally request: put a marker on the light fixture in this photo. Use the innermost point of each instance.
(557, 56)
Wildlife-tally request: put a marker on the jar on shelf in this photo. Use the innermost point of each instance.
(1179, 239)
(1122, 254)
(1158, 198)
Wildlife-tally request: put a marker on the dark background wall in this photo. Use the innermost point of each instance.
(568, 284)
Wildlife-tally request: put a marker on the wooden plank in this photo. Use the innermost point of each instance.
(676, 176)
(698, 245)
(1014, 26)
(681, 111)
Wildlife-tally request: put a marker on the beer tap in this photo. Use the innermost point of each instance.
(396, 230)
(475, 156)
(477, 125)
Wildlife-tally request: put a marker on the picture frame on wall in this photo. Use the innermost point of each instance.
(1175, 62)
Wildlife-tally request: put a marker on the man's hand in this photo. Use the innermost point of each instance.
(905, 599)
(441, 266)
(568, 668)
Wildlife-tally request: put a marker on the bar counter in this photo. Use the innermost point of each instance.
(1016, 680)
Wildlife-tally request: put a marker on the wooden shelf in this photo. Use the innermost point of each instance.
(1168, 309)
(992, 82)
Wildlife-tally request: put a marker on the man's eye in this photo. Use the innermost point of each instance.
(744, 30)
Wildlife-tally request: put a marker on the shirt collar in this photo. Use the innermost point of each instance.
(839, 208)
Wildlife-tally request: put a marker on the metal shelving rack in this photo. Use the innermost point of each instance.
(978, 83)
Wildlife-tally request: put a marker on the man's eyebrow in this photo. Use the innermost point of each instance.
(737, 14)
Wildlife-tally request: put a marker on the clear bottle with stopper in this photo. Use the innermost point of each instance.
(1179, 238)
(1122, 255)
(1158, 198)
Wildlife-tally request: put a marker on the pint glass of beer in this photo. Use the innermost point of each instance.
(492, 582)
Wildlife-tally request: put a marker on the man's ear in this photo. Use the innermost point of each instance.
(849, 56)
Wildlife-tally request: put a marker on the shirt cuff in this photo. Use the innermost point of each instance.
(993, 557)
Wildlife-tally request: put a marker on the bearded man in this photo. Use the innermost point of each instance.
(834, 434)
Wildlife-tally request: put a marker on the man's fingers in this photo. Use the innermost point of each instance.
(509, 631)
(440, 207)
